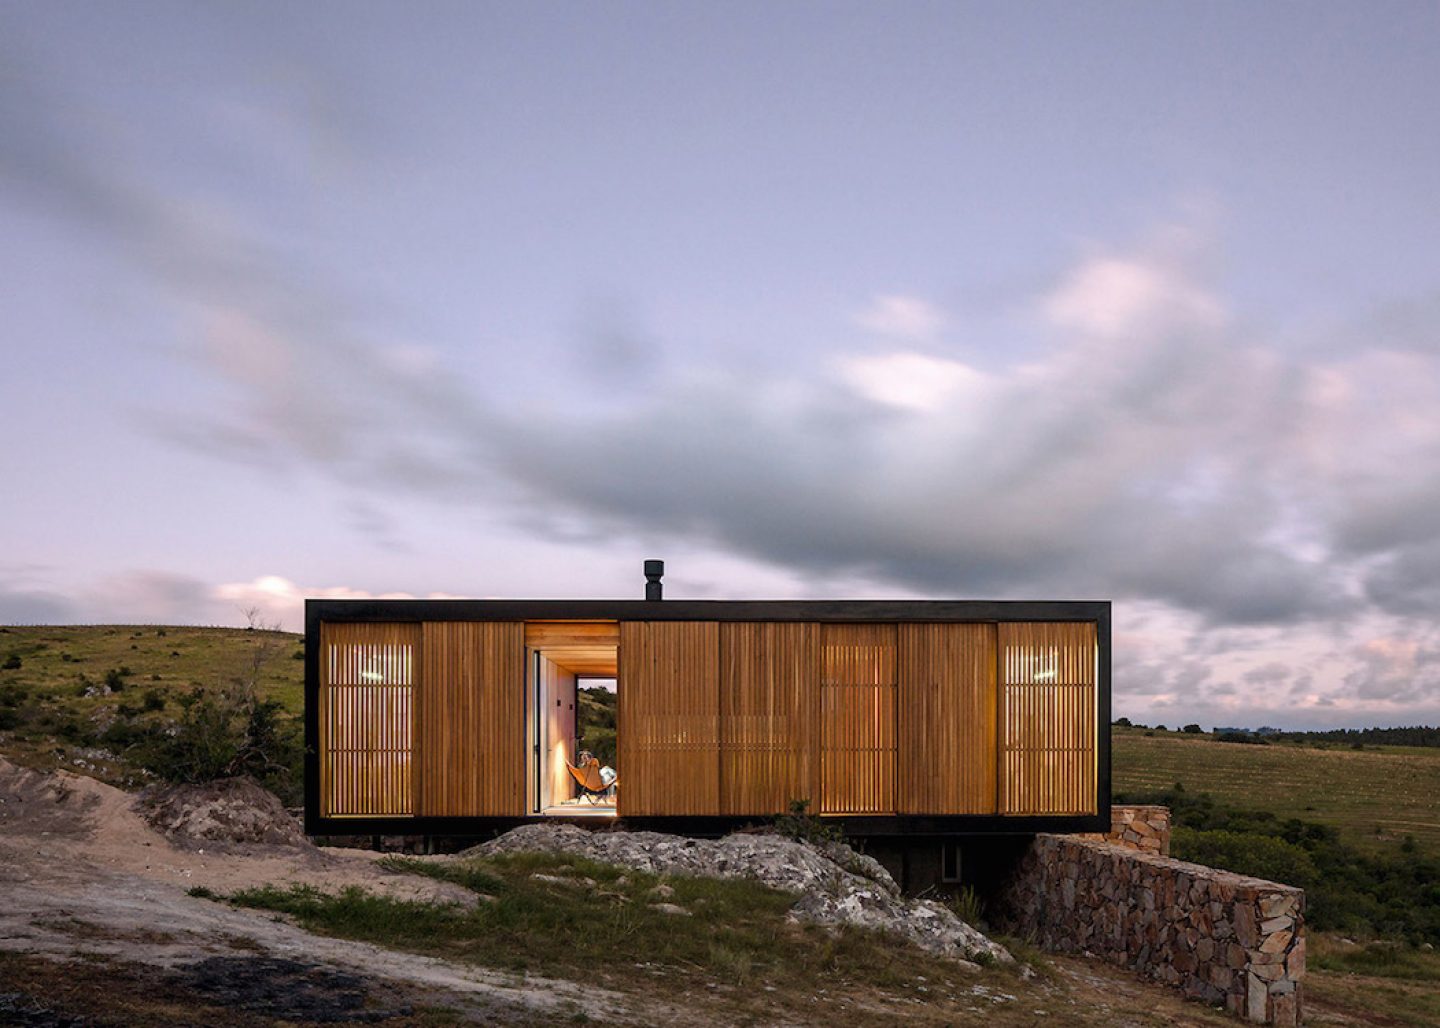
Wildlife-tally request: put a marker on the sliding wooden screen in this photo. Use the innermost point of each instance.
(769, 685)
(1047, 718)
(857, 719)
(367, 687)
(669, 718)
(471, 715)
(947, 719)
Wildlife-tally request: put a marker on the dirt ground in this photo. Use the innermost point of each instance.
(83, 876)
(96, 928)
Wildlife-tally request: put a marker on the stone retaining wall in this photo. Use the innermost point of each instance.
(1219, 937)
(1140, 827)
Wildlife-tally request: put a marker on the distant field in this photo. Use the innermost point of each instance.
(1375, 796)
(43, 699)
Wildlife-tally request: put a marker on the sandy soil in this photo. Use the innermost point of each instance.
(83, 874)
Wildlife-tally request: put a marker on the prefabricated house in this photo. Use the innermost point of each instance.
(894, 718)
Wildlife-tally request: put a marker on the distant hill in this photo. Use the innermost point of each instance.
(1376, 796)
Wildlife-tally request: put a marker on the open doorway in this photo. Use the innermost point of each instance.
(571, 701)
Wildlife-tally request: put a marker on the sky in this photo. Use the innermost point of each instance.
(1125, 301)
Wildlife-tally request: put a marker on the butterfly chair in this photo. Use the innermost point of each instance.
(589, 780)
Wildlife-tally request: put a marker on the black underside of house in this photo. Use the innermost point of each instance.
(856, 827)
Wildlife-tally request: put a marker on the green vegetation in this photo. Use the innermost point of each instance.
(1394, 895)
(216, 702)
(566, 916)
(595, 723)
(1376, 798)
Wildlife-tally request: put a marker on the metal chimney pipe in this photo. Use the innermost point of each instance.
(654, 571)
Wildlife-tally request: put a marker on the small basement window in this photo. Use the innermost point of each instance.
(950, 862)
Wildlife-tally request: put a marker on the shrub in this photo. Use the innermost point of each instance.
(1192, 729)
(12, 663)
(153, 700)
(115, 680)
(802, 826)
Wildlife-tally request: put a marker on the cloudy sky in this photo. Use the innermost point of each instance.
(1126, 301)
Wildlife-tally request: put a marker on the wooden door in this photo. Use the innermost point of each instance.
(669, 718)
(470, 744)
(367, 685)
(1048, 729)
(769, 731)
(857, 719)
(947, 719)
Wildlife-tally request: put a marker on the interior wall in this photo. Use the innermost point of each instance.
(557, 699)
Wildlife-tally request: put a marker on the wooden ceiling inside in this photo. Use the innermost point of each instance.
(588, 648)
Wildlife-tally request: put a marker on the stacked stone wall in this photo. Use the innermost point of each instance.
(1139, 827)
(1219, 937)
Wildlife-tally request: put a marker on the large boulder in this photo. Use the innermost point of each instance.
(835, 885)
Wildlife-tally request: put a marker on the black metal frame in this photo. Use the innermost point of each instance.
(879, 611)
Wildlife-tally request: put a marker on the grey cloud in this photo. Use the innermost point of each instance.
(1407, 581)
(35, 607)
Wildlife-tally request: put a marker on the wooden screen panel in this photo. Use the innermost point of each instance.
(669, 718)
(769, 684)
(1047, 718)
(947, 719)
(857, 719)
(367, 690)
(470, 744)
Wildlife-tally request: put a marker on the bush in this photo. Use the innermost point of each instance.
(1192, 729)
(115, 679)
(12, 663)
(153, 700)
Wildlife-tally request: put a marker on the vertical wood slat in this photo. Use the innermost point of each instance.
(947, 718)
(769, 677)
(470, 745)
(858, 719)
(1047, 718)
(669, 718)
(367, 687)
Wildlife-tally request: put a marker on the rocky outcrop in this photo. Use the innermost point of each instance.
(1220, 937)
(227, 810)
(836, 886)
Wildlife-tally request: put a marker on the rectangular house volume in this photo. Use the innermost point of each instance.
(891, 717)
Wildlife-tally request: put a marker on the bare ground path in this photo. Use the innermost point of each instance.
(82, 875)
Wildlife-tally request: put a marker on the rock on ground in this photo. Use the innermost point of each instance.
(836, 885)
(228, 810)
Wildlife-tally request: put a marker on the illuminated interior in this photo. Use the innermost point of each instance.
(561, 657)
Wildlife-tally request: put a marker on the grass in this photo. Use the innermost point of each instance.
(1370, 983)
(1376, 797)
(48, 721)
(592, 922)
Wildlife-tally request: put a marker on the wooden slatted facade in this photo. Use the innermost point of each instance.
(769, 732)
(728, 717)
(367, 694)
(947, 719)
(857, 719)
(1048, 719)
(470, 741)
(669, 718)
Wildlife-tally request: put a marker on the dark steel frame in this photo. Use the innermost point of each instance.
(879, 611)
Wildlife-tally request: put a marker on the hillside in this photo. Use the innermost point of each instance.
(77, 697)
(1376, 797)
(82, 697)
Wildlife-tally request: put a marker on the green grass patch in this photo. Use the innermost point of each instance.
(597, 922)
